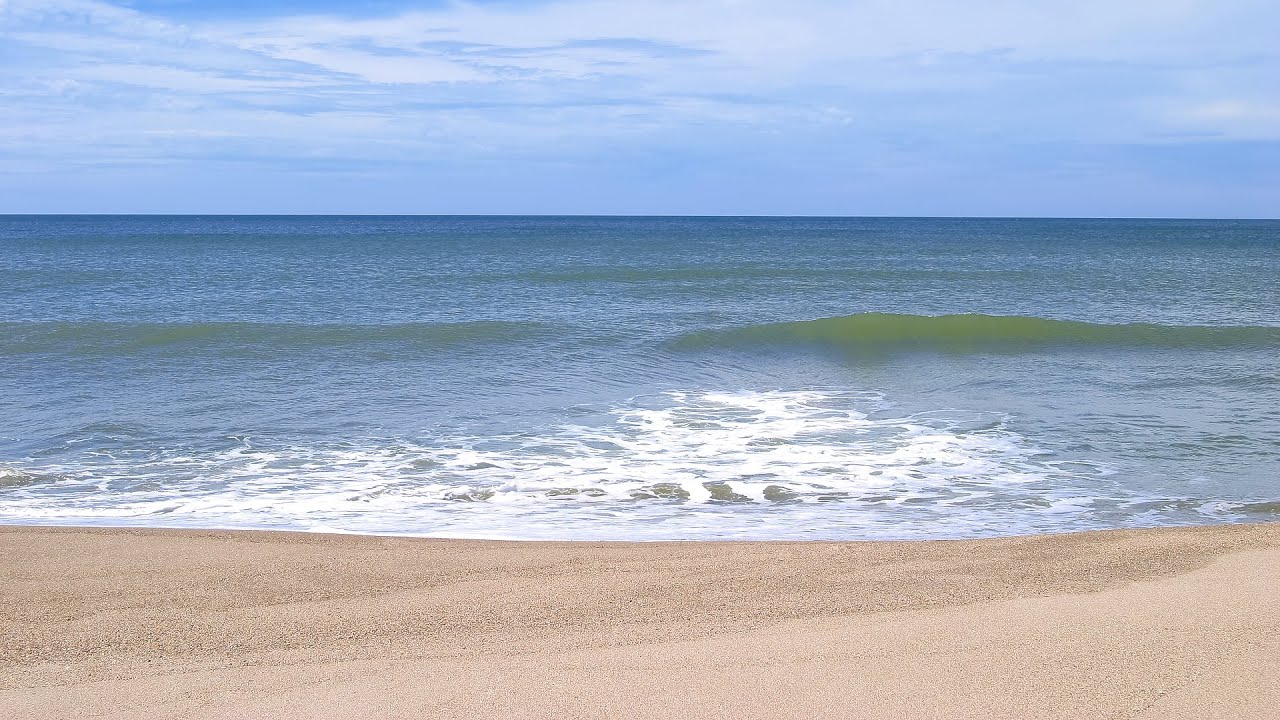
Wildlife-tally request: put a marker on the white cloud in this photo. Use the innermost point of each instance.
(879, 83)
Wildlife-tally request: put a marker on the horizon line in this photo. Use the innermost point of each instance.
(654, 216)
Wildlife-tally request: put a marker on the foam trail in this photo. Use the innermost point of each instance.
(786, 464)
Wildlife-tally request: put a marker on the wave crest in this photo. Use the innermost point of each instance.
(890, 332)
(110, 337)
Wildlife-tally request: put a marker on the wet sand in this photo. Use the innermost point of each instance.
(1170, 623)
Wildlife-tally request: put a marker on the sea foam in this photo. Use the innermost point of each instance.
(680, 465)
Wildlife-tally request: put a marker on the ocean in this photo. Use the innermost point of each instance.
(610, 378)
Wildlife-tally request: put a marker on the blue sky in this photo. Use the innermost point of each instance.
(877, 107)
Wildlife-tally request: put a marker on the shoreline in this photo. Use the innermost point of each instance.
(6, 525)
(1162, 622)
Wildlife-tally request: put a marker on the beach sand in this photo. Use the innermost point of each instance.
(1169, 623)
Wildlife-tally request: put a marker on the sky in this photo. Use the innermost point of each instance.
(1094, 108)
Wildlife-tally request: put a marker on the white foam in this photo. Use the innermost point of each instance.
(786, 464)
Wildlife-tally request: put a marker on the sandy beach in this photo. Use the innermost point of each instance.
(208, 624)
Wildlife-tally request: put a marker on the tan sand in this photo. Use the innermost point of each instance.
(1175, 623)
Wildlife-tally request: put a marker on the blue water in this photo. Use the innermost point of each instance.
(639, 378)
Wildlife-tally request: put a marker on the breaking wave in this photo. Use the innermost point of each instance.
(684, 465)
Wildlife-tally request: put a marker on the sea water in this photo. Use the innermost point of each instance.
(639, 378)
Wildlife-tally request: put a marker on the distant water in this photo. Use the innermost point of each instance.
(639, 378)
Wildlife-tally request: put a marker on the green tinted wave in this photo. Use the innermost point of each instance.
(889, 332)
(109, 337)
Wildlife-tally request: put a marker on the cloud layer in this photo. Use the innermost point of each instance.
(699, 106)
